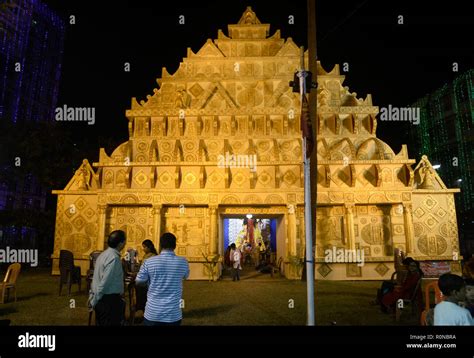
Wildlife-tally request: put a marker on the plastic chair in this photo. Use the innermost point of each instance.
(9, 282)
(90, 273)
(399, 276)
(69, 273)
(412, 301)
(438, 296)
(91, 313)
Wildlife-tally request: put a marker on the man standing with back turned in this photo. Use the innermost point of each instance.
(107, 284)
(164, 275)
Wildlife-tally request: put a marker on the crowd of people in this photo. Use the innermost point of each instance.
(158, 277)
(249, 250)
(160, 274)
(258, 256)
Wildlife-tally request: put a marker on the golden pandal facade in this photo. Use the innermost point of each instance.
(233, 97)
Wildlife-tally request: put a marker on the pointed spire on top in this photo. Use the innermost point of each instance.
(249, 27)
(249, 17)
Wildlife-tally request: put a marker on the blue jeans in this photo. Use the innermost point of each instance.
(155, 323)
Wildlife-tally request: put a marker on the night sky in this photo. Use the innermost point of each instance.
(397, 64)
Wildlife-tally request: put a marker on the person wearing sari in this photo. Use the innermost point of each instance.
(406, 289)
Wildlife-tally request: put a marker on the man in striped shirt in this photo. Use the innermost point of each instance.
(164, 275)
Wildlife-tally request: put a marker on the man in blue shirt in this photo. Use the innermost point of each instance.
(448, 312)
(164, 275)
(107, 283)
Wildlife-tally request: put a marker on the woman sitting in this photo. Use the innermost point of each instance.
(391, 295)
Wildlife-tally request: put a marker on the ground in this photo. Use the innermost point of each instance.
(257, 299)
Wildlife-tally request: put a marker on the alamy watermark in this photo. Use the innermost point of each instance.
(28, 340)
(10, 256)
(344, 256)
(75, 114)
(392, 113)
(237, 161)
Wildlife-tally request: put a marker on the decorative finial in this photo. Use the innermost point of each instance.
(249, 17)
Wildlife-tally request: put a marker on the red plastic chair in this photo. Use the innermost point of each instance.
(438, 295)
(414, 301)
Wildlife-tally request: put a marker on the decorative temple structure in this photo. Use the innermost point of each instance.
(231, 99)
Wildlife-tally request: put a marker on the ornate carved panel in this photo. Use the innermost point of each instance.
(330, 228)
(191, 227)
(374, 223)
(136, 221)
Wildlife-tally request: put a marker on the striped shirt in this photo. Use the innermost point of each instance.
(164, 274)
(108, 275)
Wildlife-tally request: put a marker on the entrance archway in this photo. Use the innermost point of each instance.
(249, 226)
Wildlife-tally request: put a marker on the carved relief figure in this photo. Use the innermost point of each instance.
(83, 178)
(428, 181)
(183, 99)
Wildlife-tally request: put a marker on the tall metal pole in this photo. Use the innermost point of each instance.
(302, 74)
(313, 67)
(313, 165)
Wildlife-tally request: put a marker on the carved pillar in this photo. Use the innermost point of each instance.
(349, 216)
(408, 222)
(156, 211)
(213, 230)
(291, 230)
(102, 210)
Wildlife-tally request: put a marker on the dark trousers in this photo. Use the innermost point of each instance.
(235, 274)
(155, 323)
(141, 296)
(110, 310)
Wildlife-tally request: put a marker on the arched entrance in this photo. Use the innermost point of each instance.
(260, 234)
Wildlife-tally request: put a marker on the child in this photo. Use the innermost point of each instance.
(448, 312)
(235, 258)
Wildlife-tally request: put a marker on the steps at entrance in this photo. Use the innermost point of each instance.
(248, 272)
